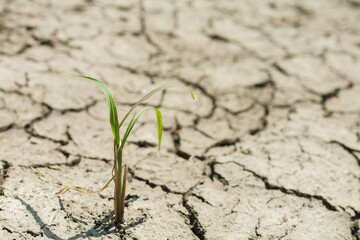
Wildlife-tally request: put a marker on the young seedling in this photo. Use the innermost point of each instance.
(119, 170)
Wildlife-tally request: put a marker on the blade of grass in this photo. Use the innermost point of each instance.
(133, 121)
(152, 93)
(67, 188)
(159, 125)
(114, 122)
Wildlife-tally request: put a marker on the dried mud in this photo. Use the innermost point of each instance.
(270, 149)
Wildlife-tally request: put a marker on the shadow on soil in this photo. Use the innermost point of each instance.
(102, 227)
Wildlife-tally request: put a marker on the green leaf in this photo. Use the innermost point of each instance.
(133, 121)
(114, 122)
(152, 93)
(159, 125)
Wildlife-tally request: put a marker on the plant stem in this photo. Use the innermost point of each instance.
(117, 190)
(119, 165)
(123, 190)
(120, 184)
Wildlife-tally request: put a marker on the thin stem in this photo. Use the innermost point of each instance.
(119, 186)
(119, 169)
(123, 190)
(117, 189)
(67, 188)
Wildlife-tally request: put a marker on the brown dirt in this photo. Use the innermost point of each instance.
(269, 150)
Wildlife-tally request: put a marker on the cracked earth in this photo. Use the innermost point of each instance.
(270, 149)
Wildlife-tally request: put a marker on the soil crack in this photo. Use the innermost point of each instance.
(294, 192)
(195, 224)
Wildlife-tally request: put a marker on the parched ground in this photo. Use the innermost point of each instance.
(270, 149)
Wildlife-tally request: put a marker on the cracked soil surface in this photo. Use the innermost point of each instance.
(270, 149)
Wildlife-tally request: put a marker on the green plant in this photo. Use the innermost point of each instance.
(119, 170)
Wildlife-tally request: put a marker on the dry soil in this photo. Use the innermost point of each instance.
(270, 149)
